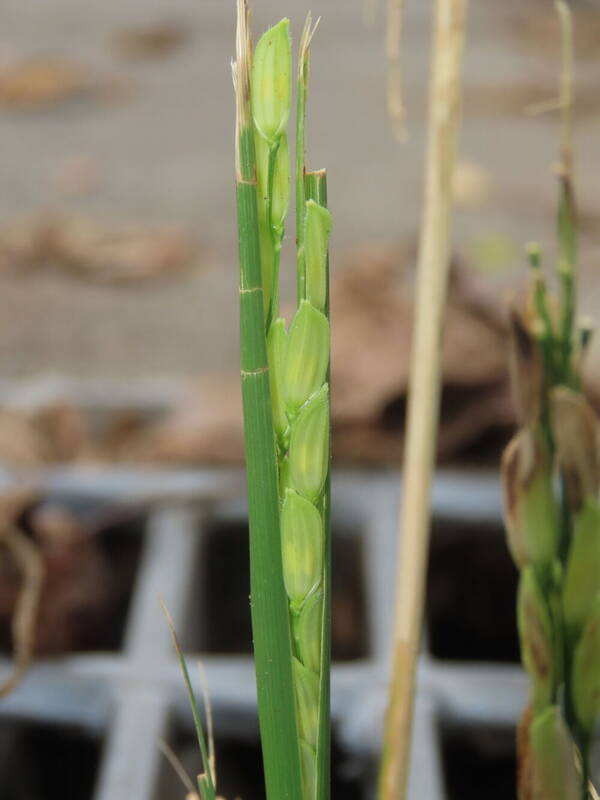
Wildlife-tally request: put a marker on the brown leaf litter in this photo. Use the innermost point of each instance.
(536, 29)
(372, 322)
(59, 592)
(28, 563)
(151, 41)
(96, 251)
(64, 433)
(39, 83)
(372, 327)
(372, 310)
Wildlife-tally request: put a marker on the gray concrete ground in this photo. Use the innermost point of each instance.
(164, 154)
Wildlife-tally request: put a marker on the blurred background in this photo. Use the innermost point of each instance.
(118, 262)
(120, 114)
(119, 328)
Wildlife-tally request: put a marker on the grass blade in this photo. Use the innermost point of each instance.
(205, 781)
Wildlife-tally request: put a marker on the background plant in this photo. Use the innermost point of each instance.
(285, 388)
(550, 474)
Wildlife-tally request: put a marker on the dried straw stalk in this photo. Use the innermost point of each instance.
(423, 406)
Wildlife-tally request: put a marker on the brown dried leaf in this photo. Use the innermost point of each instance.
(42, 82)
(80, 594)
(27, 243)
(124, 253)
(65, 430)
(99, 252)
(13, 503)
(372, 303)
(22, 444)
(205, 428)
(575, 430)
(372, 318)
(31, 567)
(535, 29)
(150, 42)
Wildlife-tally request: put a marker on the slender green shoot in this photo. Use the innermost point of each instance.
(206, 781)
(270, 621)
(316, 190)
(301, 98)
(298, 359)
(285, 387)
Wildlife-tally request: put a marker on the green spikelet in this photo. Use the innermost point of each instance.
(586, 672)
(582, 578)
(316, 243)
(302, 547)
(309, 446)
(308, 761)
(308, 631)
(307, 356)
(307, 697)
(535, 630)
(272, 82)
(553, 756)
(530, 508)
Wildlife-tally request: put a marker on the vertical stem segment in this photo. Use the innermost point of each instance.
(567, 225)
(423, 407)
(302, 90)
(316, 189)
(270, 624)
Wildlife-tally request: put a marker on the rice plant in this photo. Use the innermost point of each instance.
(550, 474)
(285, 389)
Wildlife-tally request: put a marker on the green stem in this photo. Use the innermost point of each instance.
(568, 314)
(270, 623)
(316, 189)
(302, 90)
(567, 222)
(276, 236)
